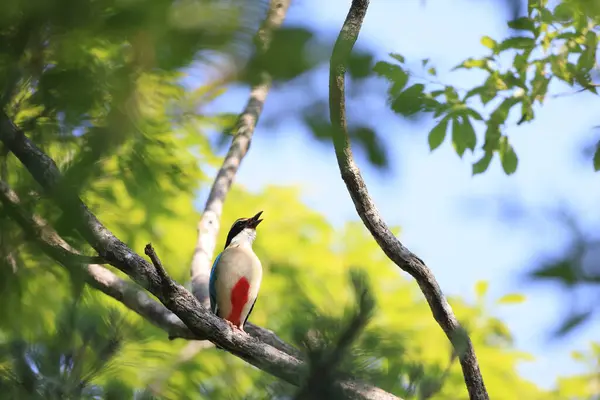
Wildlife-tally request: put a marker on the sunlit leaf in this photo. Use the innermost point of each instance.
(481, 288)
(518, 42)
(488, 42)
(512, 298)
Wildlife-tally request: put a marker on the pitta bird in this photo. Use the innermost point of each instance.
(236, 274)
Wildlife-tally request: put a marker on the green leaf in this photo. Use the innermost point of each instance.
(451, 94)
(539, 85)
(560, 68)
(511, 80)
(359, 65)
(517, 42)
(410, 101)
(397, 57)
(526, 110)
(597, 158)
(481, 288)
(463, 135)
(488, 42)
(572, 322)
(523, 24)
(511, 298)
(470, 63)
(563, 271)
(457, 142)
(587, 59)
(492, 137)
(500, 114)
(521, 62)
(474, 114)
(508, 157)
(482, 165)
(394, 74)
(489, 90)
(563, 12)
(470, 137)
(473, 92)
(438, 134)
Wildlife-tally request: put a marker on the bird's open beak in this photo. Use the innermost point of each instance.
(254, 221)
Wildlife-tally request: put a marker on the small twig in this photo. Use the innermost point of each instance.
(583, 89)
(183, 304)
(149, 251)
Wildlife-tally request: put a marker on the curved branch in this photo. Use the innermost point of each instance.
(371, 217)
(200, 321)
(100, 278)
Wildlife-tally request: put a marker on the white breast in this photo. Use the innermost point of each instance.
(237, 261)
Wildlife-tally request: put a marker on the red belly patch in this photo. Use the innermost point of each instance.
(239, 298)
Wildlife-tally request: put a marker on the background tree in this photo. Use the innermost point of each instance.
(103, 88)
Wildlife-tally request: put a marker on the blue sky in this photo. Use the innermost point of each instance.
(448, 217)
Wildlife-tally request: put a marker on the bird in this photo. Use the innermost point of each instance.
(236, 275)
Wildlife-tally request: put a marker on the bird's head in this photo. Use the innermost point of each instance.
(244, 227)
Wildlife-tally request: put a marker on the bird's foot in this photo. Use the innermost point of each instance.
(241, 329)
(231, 324)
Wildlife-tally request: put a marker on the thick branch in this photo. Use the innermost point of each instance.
(200, 321)
(209, 224)
(370, 216)
(106, 281)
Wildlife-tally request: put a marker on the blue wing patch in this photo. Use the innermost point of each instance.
(212, 290)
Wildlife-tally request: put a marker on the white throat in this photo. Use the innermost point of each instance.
(245, 238)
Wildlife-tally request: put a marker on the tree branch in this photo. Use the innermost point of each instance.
(209, 224)
(200, 321)
(371, 217)
(100, 278)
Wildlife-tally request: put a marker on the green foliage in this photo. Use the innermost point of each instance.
(286, 57)
(584, 386)
(555, 42)
(98, 85)
(401, 350)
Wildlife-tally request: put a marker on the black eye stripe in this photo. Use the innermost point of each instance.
(236, 228)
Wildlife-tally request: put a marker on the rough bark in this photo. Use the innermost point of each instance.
(103, 279)
(366, 209)
(200, 321)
